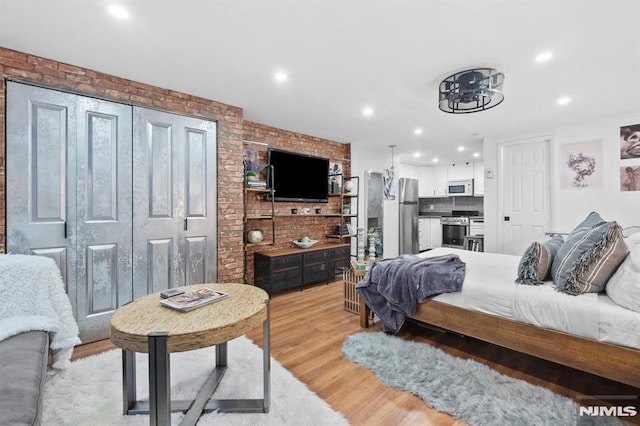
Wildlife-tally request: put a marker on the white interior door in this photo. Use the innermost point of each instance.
(523, 199)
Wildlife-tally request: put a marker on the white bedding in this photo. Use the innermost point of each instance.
(489, 287)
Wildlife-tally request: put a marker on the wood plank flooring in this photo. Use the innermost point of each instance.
(307, 331)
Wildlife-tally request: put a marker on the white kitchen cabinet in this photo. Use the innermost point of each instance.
(424, 234)
(427, 183)
(407, 171)
(441, 181)
(460, 171)
(478, 178)
(429, 233)
(476, 226)
(436, 233)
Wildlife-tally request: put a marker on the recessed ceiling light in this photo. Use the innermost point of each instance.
(281, 76)
(544, 56)
(460, 148)
(563, 100)
(367, 111)
(416, 155)
(435, 160)
(118, 12)
(418, 131)
(476, 154)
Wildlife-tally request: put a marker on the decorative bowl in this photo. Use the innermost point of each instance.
(305, 244)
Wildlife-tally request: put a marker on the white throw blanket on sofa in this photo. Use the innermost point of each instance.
(32, 297)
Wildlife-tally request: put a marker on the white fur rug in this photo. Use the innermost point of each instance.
(89, 392)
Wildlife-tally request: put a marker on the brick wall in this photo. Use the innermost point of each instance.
(232, 129)
(290, 227)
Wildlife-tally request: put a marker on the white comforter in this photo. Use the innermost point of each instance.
(489, 286)
(33, 298)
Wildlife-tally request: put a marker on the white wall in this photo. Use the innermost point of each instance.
(363, 159)
(569, 206)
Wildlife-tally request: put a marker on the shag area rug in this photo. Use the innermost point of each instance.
(89, 392)
(463, 388)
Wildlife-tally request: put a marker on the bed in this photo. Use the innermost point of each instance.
(588, 332)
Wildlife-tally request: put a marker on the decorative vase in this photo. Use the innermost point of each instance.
(255, 236)
(372, 248)
(361, 243)
(349, 186)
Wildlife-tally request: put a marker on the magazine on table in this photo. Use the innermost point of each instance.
(194, 299)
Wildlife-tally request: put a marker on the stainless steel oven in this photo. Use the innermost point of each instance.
(454, 229)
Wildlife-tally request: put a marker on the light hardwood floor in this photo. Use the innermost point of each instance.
(307, 332)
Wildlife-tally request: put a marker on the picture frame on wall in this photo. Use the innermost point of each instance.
(335, 177)
(581, 165)
(630, 141)
(630, 178)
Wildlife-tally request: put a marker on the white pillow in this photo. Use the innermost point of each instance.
(623, 288)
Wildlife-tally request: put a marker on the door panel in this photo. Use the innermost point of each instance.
(69, 195)
(103, 202)
(41, 129)
(175, 211)
(524, 197)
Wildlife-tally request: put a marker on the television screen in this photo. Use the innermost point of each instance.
(298, 177)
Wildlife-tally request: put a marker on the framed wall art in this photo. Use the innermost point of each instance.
(581, 165)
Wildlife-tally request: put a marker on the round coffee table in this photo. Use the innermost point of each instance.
(146, 326)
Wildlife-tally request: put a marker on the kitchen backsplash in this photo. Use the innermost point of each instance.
(447, 204)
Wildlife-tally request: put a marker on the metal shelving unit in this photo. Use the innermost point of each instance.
(353, 198)
(257, 216)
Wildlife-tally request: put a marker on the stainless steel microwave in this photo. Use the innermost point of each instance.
(457, 188)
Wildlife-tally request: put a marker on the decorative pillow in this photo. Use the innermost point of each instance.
(587, 259)
(623, 287)
(590, 221)
(536, 261)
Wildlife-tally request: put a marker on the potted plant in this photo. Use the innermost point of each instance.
(346, 208)
(251, 175)
(252, 170)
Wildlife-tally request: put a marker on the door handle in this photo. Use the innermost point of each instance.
(186, 224)
(65, 230)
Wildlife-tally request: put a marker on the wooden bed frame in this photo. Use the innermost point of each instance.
(613, 362)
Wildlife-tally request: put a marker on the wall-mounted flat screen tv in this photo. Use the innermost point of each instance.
(298, 177)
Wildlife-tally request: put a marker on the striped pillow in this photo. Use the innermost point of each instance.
(587, 259)
(536, 261)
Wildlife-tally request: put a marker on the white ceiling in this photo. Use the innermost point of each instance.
(343, 55)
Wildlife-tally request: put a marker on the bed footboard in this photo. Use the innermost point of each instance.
(613, 362)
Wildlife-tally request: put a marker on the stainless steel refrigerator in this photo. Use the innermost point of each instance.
(408, 199)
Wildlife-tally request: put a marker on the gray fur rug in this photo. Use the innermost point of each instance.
(465, 389)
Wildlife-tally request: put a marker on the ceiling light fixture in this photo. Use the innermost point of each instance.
(544, 57)
(368, 111)
(460, 148)
(471, 90)
(476, 154)
(118, 12)
(435, 160)
(281, 76)
(416, 155)
(418, 131)
(563, 100)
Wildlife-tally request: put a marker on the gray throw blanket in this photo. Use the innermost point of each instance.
(392, 287)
